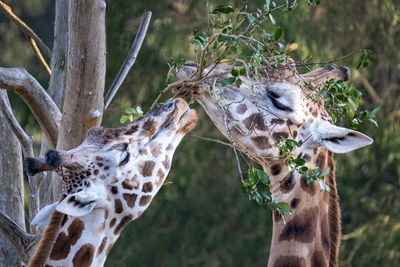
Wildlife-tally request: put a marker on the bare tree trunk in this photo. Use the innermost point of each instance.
(57, 85)
(11, 189)
(86, 65)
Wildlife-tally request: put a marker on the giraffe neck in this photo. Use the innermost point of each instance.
(77, 241)
(311, 234)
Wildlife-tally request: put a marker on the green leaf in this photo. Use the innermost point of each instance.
(229, 80)
(223, 9)
(278, 33)
(170, 79)
(238, 82)
(283, 207)
(326, 172)
(234, 72)
(264, 178)
(123, 119)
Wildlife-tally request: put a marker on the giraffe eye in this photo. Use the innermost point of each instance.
(277, 104)
(120, 147)
(125, 160)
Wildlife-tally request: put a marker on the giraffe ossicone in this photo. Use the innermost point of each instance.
(108, 181)
(260, 113)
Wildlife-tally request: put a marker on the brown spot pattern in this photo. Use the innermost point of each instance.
(261, 142)
(84, 256)
(255, 121)
(147, 187)
(112, 222)
(166, 162)
(321, 161)
(276, 169)
(118, 206)
(149, 128)
(325, 234)
(278, 136)
(124, 221)
(160, 175)
(64, 242)
(146, 169)
(318, 259)
(145, 200)
(127, 185)
(310, 189)
(277, 121)
(290, 261)
(130, 199)
(287, 183)
(302, 227)
(241, 109)
(102, 246)
(295, 202)
(114, 190)
(156, 149)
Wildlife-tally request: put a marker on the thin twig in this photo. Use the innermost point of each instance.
(25, 28)
(238, 165)
(211, 140)
(184, 83)
(129, 60)
(39, 55)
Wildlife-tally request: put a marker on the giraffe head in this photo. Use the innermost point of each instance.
(118, 170)
(255, 117)
(262, 111)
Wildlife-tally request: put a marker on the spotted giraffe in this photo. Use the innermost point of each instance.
(257, 116)
(108, 181)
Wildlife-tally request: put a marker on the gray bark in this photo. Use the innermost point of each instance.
(57, 87)
(11, 189)
(85, 78)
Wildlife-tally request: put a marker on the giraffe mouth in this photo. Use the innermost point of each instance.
(188, 121)
(188, 117)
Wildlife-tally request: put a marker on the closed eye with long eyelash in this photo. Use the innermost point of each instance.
(278, 105)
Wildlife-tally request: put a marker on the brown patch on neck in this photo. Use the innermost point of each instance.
(84, 256)
(302, 227)
(64, 242)
(318, 259)
(47, 241)
(292, 261)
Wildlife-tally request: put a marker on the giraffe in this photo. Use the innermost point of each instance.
(108, 181)
(255, 117)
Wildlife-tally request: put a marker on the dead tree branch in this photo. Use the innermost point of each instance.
(27, 146)
(20, 240)
(25, 28)
(130, 59)
(25, 140)
(39, 55)
(33, 94)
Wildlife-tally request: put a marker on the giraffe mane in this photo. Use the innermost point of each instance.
(334, 214)
(47, 241)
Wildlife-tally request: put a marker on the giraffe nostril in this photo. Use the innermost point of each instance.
(169, 105)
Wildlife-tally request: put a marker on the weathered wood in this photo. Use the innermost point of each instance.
(33, 94)
(86, 65)
(11, 192)
(56, 88)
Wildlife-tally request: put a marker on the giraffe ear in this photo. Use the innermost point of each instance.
(79, 204)
(42, 218)
(341, 140)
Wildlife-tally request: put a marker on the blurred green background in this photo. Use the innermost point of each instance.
(201, 217)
